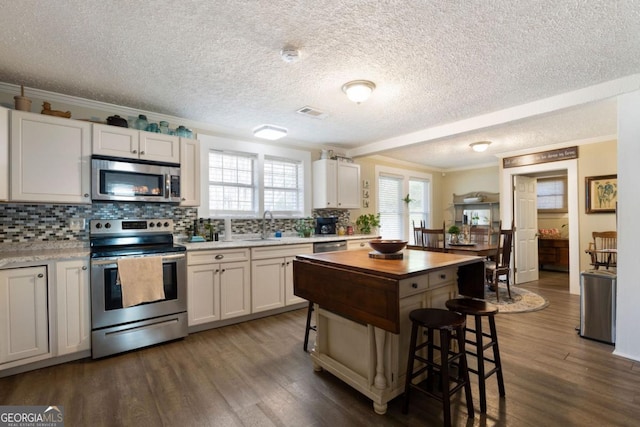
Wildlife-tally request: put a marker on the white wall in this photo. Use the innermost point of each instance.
(628, 314)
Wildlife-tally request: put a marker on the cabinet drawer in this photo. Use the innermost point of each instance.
(358, 244)
(413, 285)
(266, 252)
(438, 278)
(211, 257)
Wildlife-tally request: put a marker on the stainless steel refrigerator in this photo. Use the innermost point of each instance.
(598, 305)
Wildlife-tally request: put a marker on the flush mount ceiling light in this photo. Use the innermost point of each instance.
(270, 132)
(358, 90)
(480, 146)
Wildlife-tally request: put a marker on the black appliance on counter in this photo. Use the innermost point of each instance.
(326, 225)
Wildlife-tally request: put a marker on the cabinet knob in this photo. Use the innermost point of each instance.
(283, 264)
(217, 270)
(223, 270)
(85, 195)
(84, 267)
(414, 285)
(362, 245)
(219, 256)
(134, 151)
(443, 276)
(183, 199)
(40, 275)
(288, 263)
(142, 152)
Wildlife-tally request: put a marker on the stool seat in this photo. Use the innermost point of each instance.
(481, 341)
(435, 318)
(449, 325)
(474, 307)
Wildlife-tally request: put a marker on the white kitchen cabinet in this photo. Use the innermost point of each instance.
(357, 244)
(50, 159)
(24, 322)
(218, 285)
(116, 141)
(4, 153)
(336, 184)
(272, 276)
(189, 172)
(73, 306)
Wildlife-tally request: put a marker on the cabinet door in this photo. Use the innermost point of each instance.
(203, 291)
(235, 289)
(267, 284)
(73, 306)
(189, 172)
(159, 147)
(4, 153)
(115, 141)
(348, 185)
(50, 159)
(24, 323)
(290, 297)
(325, 191)
(437, 298)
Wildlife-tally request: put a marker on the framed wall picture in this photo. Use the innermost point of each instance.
(601, 193)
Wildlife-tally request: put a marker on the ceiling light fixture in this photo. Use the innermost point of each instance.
(358, 90)
(480, 146)
(270, 132)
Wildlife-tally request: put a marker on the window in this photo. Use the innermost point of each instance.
(283, 186)
(552, 194)
(396, 216)
(232, 183)
(390, 206)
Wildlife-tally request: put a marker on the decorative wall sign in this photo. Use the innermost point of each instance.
(543, 157)
(602, 193)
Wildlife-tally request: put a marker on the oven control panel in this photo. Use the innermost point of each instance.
(126, 226)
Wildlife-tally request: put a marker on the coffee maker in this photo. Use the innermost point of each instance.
(326, 225)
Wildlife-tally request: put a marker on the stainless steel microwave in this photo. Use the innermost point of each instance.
(129, 181)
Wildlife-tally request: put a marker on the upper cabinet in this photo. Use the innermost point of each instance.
(336, 184)
(50, 159)
(4, 153)
(114, 141)
(189, 172)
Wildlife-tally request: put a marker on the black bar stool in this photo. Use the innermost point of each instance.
(445, 322)
(480, 309)
(308, 327)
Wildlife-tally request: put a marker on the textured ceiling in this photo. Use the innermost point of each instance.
(434, 62)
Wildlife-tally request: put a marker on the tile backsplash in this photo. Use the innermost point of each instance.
(48, 222)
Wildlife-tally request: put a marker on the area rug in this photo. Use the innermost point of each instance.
(521, 301)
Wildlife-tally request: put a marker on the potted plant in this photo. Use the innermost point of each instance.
(453, 231)
(367, 222)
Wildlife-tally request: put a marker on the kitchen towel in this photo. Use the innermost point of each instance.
(140, 280)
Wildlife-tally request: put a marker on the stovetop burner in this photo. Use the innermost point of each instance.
(120, 237)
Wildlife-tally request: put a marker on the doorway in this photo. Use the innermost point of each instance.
(507, 214)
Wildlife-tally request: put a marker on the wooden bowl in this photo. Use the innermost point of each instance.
(387, 246)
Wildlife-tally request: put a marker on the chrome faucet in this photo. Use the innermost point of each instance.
(264, 233)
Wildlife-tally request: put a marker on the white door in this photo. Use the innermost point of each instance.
(526, 222)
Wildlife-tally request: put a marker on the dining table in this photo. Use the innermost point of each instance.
(477, 249)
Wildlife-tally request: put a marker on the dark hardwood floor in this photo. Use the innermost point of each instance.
(256, 374)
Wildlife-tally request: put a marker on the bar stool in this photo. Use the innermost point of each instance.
(308, 327)
(480, 309)
(445, 322)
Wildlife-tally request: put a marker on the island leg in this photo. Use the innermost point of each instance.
(380, 380)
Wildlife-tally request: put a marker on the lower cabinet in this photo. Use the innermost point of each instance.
(218, 285)
(24, 320)
(272, 276)
(73, 299)
(358, 244)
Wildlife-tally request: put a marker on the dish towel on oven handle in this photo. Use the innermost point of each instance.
(140, 280)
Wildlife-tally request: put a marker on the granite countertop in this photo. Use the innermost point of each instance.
(252, 241)
(23, 253)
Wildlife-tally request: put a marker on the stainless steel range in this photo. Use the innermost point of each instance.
(116, 328)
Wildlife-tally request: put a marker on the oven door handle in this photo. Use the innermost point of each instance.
(114, 261)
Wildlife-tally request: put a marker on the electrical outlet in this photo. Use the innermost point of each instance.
(76, 223)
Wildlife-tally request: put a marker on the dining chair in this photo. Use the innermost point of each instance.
(417, 233)
(602, 249)
(479, 234)
(433, 239)
(501, 265)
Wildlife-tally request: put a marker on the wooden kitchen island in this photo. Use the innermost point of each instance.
(362, 308)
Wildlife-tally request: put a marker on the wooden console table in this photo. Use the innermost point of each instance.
(553, 252)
